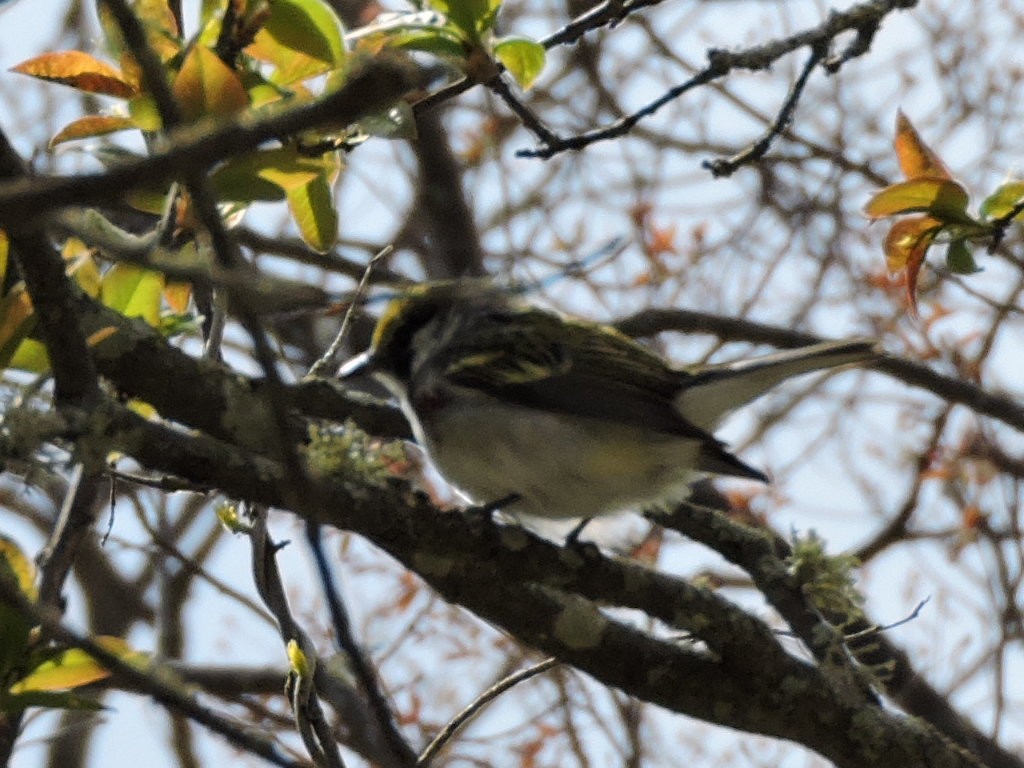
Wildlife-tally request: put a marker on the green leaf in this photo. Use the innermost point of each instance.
(941, 198)
(1003, 200)
(442, 41)
(133, 291)
(268, 175)
(302, 38)
(47, 699)
(473, 17)
(312, 207)
(959, 258)
(522, 57)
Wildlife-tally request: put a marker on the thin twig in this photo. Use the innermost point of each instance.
(876, 630)
(722, 62)
(331, 354)
(477, 705)
(726, 166)
(310, 720)
(361, 666)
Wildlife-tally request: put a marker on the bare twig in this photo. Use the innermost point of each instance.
(726, 166)
(310, 720)
(720, 63)
(361, 665)
(328, 358)
(476, 706)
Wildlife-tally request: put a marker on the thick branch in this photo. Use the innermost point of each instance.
(497, 573)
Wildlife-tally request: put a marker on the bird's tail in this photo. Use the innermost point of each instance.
(716, 390)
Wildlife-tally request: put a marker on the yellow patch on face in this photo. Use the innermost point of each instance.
(387, 320)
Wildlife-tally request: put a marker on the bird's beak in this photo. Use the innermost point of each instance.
(359, 366)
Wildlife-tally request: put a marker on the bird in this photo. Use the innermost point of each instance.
(554, 417)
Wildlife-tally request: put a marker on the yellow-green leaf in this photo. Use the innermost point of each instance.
(297, 660)
(15, 628)
(1006, 197)
(17, 319)
(91, 125)
(312, 207)
(301, 39)
(133, 291)
(144, 113)
(30, 356)
(74, 668)
(228, 516)
(942, 198)
(915, 157)
(4, 252)
(81, 265)
(161, 28)
(79, 70)
(523, 58)
(16, 563)
(207, 86)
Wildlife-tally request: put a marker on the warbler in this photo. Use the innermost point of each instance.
(560, 417)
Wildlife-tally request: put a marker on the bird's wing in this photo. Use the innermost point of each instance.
(593, 371)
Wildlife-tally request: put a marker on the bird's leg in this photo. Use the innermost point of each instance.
(484, 511)
(573, 537)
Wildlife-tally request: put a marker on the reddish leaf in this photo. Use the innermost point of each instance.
(905, 249)
(906, 237)
(177, 296)
(916, 158)
(662, 240)
(93, 125)
(79, 70)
